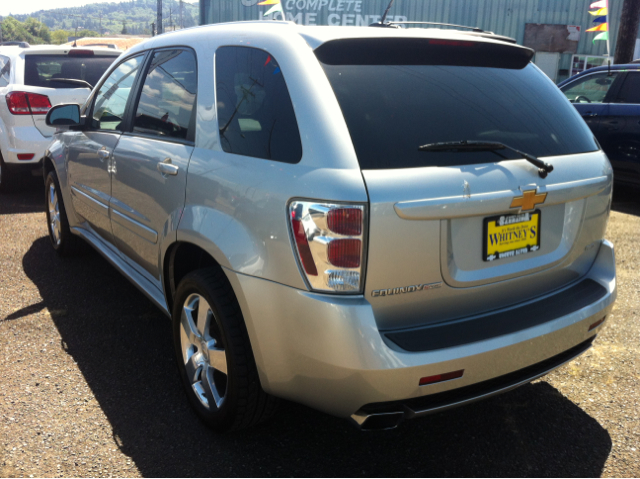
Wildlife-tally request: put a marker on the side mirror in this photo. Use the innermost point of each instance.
(64, 115)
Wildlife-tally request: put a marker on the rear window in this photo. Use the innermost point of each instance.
(48, 70)
(403, 96)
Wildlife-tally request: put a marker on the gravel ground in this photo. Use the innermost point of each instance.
(88, 387)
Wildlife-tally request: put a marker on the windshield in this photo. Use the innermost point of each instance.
(42, 70)
(391, 110)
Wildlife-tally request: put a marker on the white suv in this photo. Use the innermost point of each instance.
(32, 80)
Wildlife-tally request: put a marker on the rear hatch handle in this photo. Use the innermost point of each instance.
(496, 201)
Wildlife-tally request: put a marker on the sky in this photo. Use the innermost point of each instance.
(29, 6)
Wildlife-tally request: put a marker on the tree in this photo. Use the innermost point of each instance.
(124, 27)
(628, 31)
(58, 37)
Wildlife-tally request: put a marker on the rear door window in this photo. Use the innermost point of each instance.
(255, 113)
(5, 71)
(54, 71)
(396, 97)
(167, 100)
(630, 90)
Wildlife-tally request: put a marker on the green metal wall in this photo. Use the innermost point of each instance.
(505, 17)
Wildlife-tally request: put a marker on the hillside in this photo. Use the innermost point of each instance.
(137, 15)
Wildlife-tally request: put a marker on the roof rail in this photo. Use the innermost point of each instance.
(15, 44)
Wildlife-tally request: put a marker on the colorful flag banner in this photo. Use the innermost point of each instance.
(601, 13)
(601, 36)
(603, 27)
(277, 7)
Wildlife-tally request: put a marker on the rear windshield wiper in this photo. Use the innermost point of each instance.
(82, 83)
(465, 145)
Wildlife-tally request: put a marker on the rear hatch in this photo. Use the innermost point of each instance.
(456, 232)
(64, 77)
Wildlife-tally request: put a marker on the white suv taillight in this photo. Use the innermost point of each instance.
(23, 103)
(330, 242)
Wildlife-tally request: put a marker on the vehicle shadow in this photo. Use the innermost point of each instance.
(28, 198)
(122, 345)
(626, 199)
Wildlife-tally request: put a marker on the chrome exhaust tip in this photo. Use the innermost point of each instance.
(377, 421)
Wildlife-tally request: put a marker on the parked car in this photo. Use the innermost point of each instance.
(32, 79)
(376, 223)
(609, 101)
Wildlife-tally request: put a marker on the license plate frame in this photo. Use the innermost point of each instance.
(504, 247)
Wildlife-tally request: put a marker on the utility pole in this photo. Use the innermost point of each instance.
(181, 22)
(628, 31)
(159, 17)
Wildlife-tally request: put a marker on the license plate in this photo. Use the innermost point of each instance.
(507, 236)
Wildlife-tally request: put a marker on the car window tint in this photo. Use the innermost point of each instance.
(590, 89)
(255, 114)
(630, 90)
(5, 70)
(111, 100)
(168, 96)
(49, 70)
(391, 110)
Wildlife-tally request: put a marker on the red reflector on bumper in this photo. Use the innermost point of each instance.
(26, 156)
(441, 377)
(597, 323)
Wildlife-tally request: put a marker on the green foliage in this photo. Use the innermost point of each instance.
(111, 17)
(58, 37)
(31, 31)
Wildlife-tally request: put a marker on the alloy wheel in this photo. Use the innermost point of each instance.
(54, 215)
(203, 353)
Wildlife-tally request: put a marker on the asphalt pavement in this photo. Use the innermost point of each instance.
(89, 387)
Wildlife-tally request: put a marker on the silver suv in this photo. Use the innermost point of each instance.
(377, 223)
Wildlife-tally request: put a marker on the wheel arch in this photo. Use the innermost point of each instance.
(182, 258)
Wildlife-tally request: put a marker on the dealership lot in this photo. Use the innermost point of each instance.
(88, 387)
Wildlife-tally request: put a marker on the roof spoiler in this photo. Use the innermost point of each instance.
(15, 44)
(475, 31)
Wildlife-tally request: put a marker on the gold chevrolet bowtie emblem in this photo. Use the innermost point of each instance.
(528, 200)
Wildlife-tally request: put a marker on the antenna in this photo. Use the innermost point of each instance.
(384, 15)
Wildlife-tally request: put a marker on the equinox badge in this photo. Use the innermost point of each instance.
(405, 289)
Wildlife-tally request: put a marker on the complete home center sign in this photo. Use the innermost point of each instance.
(318, 12)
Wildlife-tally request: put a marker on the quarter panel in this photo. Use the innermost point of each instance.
(237, 209)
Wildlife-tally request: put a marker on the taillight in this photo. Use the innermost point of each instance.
(330, 242)
(23, 103)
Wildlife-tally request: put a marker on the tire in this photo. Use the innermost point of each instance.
(214, 355)
(63, 241)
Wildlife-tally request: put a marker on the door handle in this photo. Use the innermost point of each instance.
(166, 168)
(103, 153)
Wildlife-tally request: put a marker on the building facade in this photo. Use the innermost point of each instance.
(554, 28)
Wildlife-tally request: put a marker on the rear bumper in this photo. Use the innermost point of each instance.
(24, 140)
(327, 352)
